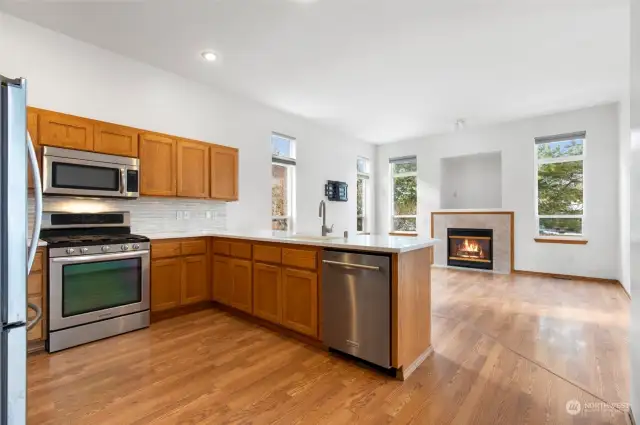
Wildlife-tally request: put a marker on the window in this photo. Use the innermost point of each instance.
(283, 167)
(363, 188)
(404, 189)
(559, 188)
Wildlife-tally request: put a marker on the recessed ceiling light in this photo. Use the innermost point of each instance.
(209, 56)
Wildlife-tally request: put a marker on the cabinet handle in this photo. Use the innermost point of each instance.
(355, 266)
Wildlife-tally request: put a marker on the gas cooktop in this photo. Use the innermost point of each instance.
(61, 241)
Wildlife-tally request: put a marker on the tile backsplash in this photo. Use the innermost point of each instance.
(148, 215)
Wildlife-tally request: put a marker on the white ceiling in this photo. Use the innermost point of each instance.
(381, 70)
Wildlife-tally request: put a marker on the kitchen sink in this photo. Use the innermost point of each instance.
(314, 237)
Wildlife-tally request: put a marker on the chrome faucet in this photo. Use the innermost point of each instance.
(323, 213)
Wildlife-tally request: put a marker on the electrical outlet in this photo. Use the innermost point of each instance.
(187, 215)
(178, 215)
(209, 215)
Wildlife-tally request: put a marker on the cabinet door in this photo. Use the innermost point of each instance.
(194, 279)
(242, 293)
(193, 169)
(267, 292)
(65, 131)
(300, 301)
(32, 128)
(37, 332)
(224, 173)
(115, 139)
(222, 279)
(157, 165)
(165, 284)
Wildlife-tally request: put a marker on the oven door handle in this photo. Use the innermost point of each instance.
(98, 257)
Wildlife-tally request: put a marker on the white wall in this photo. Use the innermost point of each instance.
(624, 150)
(471, 181)
(634, 183)
(515, 141)
(69, 76)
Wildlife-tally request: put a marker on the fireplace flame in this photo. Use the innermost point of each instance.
(470, 248)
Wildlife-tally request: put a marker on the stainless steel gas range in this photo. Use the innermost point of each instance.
(98, 277)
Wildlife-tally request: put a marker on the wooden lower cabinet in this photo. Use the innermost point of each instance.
(178, 280)
(222, 284)
(166, 278)
(242, 288)
(36, 293)
(267, 292)
(300, 301)
(195, 287)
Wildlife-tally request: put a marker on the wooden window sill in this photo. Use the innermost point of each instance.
(562, 241)
(402, 234)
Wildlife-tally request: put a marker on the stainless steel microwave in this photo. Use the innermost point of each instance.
(79, 173)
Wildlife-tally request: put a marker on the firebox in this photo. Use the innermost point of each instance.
(471, 248)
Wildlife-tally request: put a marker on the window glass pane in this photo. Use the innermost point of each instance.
(404, 168)
(360, 197)
(404, 224)
(280, 224)
(281, 146)
(561, 226)
(363, 165)
(560, 149)
(560, 190)
(405, 198)
(279, 190)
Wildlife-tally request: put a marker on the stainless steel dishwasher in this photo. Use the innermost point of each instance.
(356, 293)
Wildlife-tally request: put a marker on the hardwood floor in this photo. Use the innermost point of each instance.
(508, 350)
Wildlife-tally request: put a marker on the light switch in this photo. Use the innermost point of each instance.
(187, 215)
(209, 215)
(178, 215)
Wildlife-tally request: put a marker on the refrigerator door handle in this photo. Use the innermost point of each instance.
(36, 319)
(35, 236)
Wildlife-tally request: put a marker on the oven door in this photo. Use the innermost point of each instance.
(87, 177)
(85, 289)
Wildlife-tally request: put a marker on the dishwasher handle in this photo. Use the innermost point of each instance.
(355, 266)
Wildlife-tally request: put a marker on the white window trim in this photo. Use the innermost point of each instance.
(537, 163)
(290, 164)
(392, 178)
(366, 183)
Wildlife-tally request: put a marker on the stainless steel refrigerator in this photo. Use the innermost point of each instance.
(15, 256)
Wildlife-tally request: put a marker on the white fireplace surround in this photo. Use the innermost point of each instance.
(501, 222)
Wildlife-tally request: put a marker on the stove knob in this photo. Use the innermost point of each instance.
(84, 250)
(70, 251)
(106, 248)
(125, 247)
(135, 246)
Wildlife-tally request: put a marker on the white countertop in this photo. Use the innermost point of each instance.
(370, 243)
(40, 242)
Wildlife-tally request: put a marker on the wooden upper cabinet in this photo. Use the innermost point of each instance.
(222, 281)
(166, 275)
(32, 128)
(300, 301)
(65, 131)
(267, 292)
(224, 173)
(242, 292)
(157, 165)
(195, 285)
(193, 169)
(115, 139)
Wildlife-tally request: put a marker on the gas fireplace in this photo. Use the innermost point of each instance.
(471, 248)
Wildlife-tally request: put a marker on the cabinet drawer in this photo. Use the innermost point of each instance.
(221, 247)
(301, 258)
(37, 263)
(267, 254)
(34, 284)
(193, 247)
(241, 250)
(165, 249)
